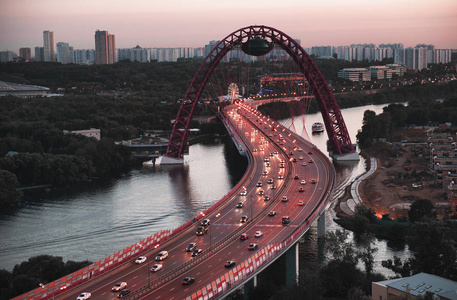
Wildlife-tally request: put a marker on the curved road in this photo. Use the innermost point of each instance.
(222, 242)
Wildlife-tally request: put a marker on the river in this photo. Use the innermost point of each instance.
(94, 220)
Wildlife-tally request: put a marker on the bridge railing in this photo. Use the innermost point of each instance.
(95, 270)
(261, 259)
(257, 262)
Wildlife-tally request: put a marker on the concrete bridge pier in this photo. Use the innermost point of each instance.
(292, 266)
(249, 286)
(321, 225)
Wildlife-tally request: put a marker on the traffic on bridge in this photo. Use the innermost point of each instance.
(286, 185)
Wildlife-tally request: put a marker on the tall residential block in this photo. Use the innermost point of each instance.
(105, 48)
(25, 53)
(49, 46)
(39, 53)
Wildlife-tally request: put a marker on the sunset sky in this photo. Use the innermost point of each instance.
(193, 23)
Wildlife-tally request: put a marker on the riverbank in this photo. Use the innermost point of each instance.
(393, 186)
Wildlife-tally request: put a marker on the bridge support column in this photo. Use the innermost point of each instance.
(249, 286)
(321, 225)
(292, 267)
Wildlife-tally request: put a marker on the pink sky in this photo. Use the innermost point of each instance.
(193, 23)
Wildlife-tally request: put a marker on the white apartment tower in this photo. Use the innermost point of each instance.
(49, 46)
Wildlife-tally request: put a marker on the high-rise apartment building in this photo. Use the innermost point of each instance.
(49, 46)
(105, 48)
(39, 53)
(25, 53)
(63, 53)
(83, 56)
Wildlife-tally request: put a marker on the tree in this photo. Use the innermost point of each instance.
(368, 252)
(420, 209)
(433, 252)
(8, 185)
(339, 248)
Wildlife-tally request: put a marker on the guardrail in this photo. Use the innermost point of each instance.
(261, 259)
(95, 270)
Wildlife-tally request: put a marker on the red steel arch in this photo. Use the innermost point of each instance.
(338, 135)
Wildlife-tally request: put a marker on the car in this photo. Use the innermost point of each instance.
(84, 296)
(259, 183)
(273, 187)
(310, 161)
(272, 213)
(162, 255)
(188, 280)
(267, 164)
(294, 160)
(280, 177)
(266, 198)
(266, 159)
(244, 219)
(201, 230)
(258, 234)
(261, 148)
(254, 150)
(244, 236)
(140, 260)
(300, 157)
(240, 205)
(284, 199)
(191, 247)
(123, 293)
(261, 192)
(303, 164)
(282, 161)
(196, 252)
(252, 246)
(296, 176)
(205, 222)
(303, 182)
(313, 181)
(276, 152)
(271, 154)
(301, 189)
(156, 267)
(291, 153)
(310, 152)
(265, 173)
(243, 193)
(301, 203)
(119, 286)
(229, 264)
(285, 220)
(270, 180)
(281, 165)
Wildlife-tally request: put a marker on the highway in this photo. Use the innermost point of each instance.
(279, 162)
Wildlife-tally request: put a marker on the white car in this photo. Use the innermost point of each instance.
(243, 193)
(258, 234)
(140, 260)
(303, 181)
(119, 286)
(84, 296)
(156, 267)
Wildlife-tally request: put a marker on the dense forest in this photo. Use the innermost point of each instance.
(27, 275)
(126, 99)
(424, 109)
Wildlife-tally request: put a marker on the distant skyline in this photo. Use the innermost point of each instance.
(178, 23)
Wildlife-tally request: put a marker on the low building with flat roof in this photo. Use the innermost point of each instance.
(414, 286)
(355, 74)
(22, 90)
